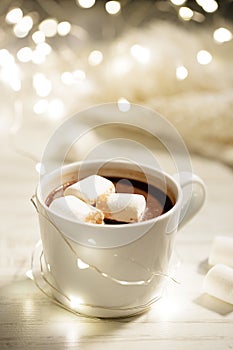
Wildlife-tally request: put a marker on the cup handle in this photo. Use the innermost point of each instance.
(196, 200)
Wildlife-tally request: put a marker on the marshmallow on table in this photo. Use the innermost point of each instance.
(90, 188)
(221, 251)
(123, 207)
(219, 282)
(75, 209)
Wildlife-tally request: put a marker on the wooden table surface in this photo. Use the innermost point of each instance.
(184, 319)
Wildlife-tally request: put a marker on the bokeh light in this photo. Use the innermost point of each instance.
(14, 15)
(113, 7)
(86, 3)
(204, 57)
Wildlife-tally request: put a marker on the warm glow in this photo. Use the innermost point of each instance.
(204, 57)
(123, 104)
(95, 58)
(185, 13)
(48, 27)
(222, 35)
(75, 302)
(86, 3)
(24, 54)
(178, 2)
(113, 7)
(14, 16)
(63, 28)
(181, 73)
(140, 53)
(38, 37)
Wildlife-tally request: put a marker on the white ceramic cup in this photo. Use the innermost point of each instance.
(112, 270)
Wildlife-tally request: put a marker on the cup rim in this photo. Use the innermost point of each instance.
(112, 226)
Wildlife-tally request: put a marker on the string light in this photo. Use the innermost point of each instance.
(95, 58)
(181, 73)
(14, 16)
(48, 27)
(186, 13)
(204, 57)
(222, 35)
(85, 3)
(113, 7)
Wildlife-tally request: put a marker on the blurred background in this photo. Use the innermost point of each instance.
(58, 57)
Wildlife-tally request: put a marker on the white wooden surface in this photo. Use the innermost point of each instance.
(184, 319)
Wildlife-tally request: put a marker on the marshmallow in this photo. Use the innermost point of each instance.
(221, 251)
(123, 207)
(219, 282)
(90, 188)
(75, 209)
